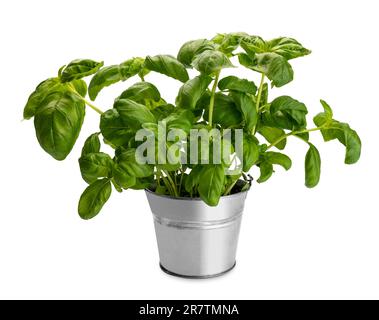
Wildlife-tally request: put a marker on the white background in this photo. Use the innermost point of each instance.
(294, 242)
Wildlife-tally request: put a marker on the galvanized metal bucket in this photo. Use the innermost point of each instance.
(194, 239)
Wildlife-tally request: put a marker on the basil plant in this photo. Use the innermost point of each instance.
(206, 102)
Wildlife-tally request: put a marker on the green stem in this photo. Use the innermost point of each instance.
(227, 191)
(72, 88)
(292, 134)
(181, 181)
(259, 96)
(172, 183)
(212, 100)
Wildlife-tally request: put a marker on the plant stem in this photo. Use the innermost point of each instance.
(212, 101)
(181, 181)
(259, 96)
(172, 183)
(227, 191)
(72, 88)
(292, 134)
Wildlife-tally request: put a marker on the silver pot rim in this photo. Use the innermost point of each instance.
(238, 194)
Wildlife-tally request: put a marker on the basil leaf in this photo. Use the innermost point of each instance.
(253, 45)
(312, 166)
(211, 61)
(229, 42)
(180, 119)
(58, 122)
(275, 67)
(163, 111)
(250, 151)
(80, 68)
(94, 166)
(191, 48)
(192, 91)
(93, 198)
(193, 178)
(35, 99)
(287, 47)
(80, 86)
(278, 158)
(236, 84)
(247, 107)
(92, 144)
(133, 114)
(141, 92)
(288, 113)
(266, 170)
(115, 129)
(167, 65)
(271, 134)
(211, 184)
(122, 178)
(225, 111)
(127, 162)
(115, 73)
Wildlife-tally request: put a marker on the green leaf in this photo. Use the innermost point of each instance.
(115, 129)
(80, 86)
(141, 92)
(225, 111)
(190, 49)
(192, 91)
(278, 158)
(253, 45)
(92, 144)
(247, 107)
(250, 152)
(193, 178)
(275, 67)
(127, 162)
(228, 42)
(163, 111)
(266, 170)
(272, 134)
(288, 113)
(58, 122)
(327, 110)
(180, 119)
(236, 84)
(211, 184)
(287, 47)
(93, 198)
(94, 166)
(133, 114)
(312, 166)
(115, 73)
(167, 65)
(353, 146)
(80, 68)
(122, 178)
(211, 61)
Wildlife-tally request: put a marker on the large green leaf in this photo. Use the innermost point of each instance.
(167, 65)
(92, 144)
(191, 48)
(278, 158)
(127, 162)
(288, 113)
(141, 92)
(115, 73)
(163, 111)
(312, 166)
(287, 47)
(253, 45)
(211, 61)
(192, 91)
(225, 112)
(228, 42)
(95, 165)
(58, 122)
(80, 68)
(250, 151)
(211, 184)
(266, 171)
(133, 114)
(115, 129)
(272, 134)
(93, 198)
(236, 84)
(180, 119)
(193, 178)
(246, 105)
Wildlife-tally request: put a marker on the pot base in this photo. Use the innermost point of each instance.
(196, 277)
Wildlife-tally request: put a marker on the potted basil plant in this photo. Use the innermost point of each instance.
(168, 148)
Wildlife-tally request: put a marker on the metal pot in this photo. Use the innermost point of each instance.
(194, 239)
